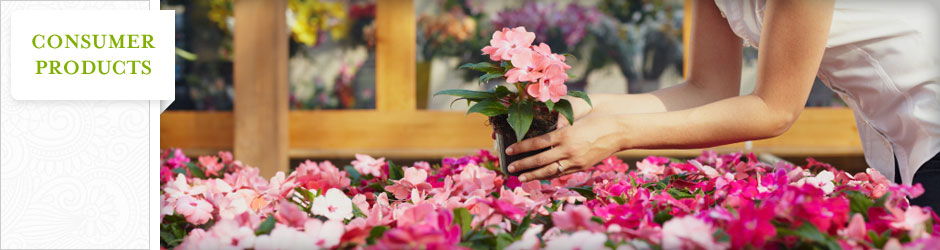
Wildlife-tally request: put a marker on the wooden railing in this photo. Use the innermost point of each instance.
(263, 133)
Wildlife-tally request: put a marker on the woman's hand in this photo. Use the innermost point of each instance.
(574, 148)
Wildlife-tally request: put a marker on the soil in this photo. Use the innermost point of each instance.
(542, 123)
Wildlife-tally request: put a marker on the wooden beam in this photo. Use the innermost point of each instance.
(395, 56)
(260, 62)
(686, 35)
(434, 134)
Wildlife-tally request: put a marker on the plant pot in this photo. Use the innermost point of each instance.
(543, 123)
(422, 83)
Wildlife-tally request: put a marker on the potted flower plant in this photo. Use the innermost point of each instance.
(531, 107)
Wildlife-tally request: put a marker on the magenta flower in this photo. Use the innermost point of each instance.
(752, 226)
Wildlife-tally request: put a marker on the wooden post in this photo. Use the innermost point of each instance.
(261, 103)
(395, 56)
(686, 36)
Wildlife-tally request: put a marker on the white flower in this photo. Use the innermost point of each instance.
(578, 240)
(529, 239)
(823, 181)
(325, 234)
(334, 205)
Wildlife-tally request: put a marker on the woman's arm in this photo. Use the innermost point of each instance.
(714, 72)
(793, 40)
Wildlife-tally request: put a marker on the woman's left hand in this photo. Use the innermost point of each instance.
(573, 148)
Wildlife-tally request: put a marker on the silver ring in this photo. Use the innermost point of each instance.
(561, 168)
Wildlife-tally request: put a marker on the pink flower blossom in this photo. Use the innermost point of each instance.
(333, 205)
(752, 226)
(913, 221)
(196, 211)
(367, 165)
(524, 62)
(211, 164)
(576, 218)
(505, 41)
(688, 232)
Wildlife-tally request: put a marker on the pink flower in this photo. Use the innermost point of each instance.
(688, 232)
(549, 57)
(544, 92)
(367, 165)
(913, 220)
(856, 228)
(524, 62)
(504, 42)
(196, 211)
(415, 179)
(291, 215)
(576, 218)
(226, 157)
(333, 205)
(211, 164)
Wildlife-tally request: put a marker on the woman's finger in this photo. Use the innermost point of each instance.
(534, 143)
(546, 172)
(535, 161)
(562, 122)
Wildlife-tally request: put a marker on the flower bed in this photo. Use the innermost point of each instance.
(711, 202)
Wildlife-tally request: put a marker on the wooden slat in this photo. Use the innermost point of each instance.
(433, 134)
(260, 70)
(196, 130)
(395, 56)
(686, 35)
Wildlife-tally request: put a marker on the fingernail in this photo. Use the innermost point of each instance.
(522, 179)
(509, 151)
(512, 168)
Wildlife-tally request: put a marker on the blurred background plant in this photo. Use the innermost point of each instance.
(331, 64)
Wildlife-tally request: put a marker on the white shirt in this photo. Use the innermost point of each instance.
(879, 63)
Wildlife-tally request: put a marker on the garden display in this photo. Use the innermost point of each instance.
(713, 201)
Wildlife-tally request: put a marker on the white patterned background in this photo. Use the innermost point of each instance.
(73, 174)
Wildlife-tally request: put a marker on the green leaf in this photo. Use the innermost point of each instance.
(463, 218)
(305, 193)
(662, 217)
(482, 67)
(501, 91)
(395, 172)
(375, 234)
(859, 203)
(469, 94)
(196, 171)
(266, 226)
(809, 232)
(564, 108)
(488, 108)
(503, 240)
(177, 171)
(524, 225)
(353, 173)
(550, 105)
(489, 76)
(581, 95)
(520, 118)
(680, 193)
(586, 191)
